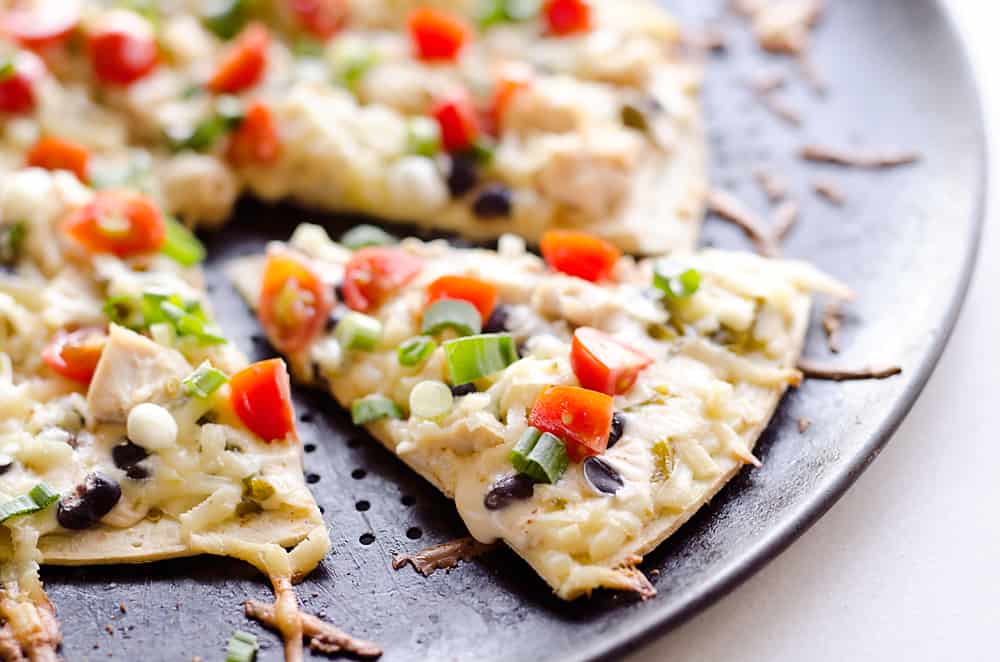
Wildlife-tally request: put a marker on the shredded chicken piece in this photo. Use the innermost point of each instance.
(38, 636)
(323, 637)
(857, 158)
(728, 207)
(813, 370)
(443, 556)
(833, 318)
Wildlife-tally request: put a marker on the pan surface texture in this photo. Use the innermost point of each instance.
(905, 239)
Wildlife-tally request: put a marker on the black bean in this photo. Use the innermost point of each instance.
(463, 389)
(493, 201)
(6, 463)
(602, 476)
(127, 454)
(617, 428)
(338, 291)
(462, 175)
(333, 319)
(515, 487)
(137, 472)
(89, 502)
(497, 323)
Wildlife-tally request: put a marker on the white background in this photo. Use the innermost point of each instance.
(907, 565)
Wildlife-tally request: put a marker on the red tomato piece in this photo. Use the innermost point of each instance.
(74, 354)
(604, 364)
(123, 48)
(42, 25)
(294, 302)
(436, 34)
(478, 292)
(372, 274)
(243, 65)
(122, 223)
(579, 254)
(17, 88)
(509, 84)
(256, 141)
(322, 18)
(456, 115)
(58, 154)
(565, 17)
(262, 398)
(578, 416)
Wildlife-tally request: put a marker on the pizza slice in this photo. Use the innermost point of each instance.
(580, 408)
(517, 120)
(130, 429)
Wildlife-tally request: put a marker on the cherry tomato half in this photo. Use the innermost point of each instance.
(373, 274)
(602, 363)
(480, 293)
(74, 354)
(456, 116)
(261, 397)
(566, 17)
(123, 48)
(58, 154)
(42, 25)
(17, 87)
(578, 416)
(294, 302)
(579, 254)
(436, 34)
(243, 64)
(322, 18)
(122, 223)
(256, 141)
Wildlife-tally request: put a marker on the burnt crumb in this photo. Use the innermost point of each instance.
(833, 319)
(785, 218)
(804, 424)
(323, 637)
(858, 158)
(774, 186)
(813, 370)
(728, 207)
(444, 556)
(121, 607)
(110, 630)
(829, 191)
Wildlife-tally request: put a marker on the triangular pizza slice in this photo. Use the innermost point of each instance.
(579, 407)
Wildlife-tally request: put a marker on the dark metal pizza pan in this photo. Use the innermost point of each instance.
(906, 240)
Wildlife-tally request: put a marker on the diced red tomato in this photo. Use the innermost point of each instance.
(58, 154)
(322, 18)
(243, 64)
(42, 25)
(511, 82)
(122, 223)
(565, 17)
(480, 293)
(17, 88)
(456, 115)
(262, 398)
(579, 254)
(372, 274)
(256, 141)
(602, 363)
(578, 416)
(123, 48)
(436, 34)
(74, 354)
(294, 302)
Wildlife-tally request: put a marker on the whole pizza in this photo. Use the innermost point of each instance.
(580, 390)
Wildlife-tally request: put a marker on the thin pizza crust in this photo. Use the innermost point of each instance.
(692, 419)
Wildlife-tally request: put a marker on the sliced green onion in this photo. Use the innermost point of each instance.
(358, 331)
(199, 138)
(423, 136)
(193, 90)
(38, 498)
(483, 152)
(226, 18)
(186, 318)
(473, 357)
(351, 61)
(675, 280)
(455, 314)
(361, 236)
(242, 647)
(11, 240)
(415, 350)
(540, 455)
(430, 399)
(495, 12)
(125, 311)
(373, 408)
(306, 47)
(230, 111)
(181, 245)
(204, 381)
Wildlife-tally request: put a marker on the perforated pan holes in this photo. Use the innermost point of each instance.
(414, 533)
(367, 538)
(358, 473)
(362, 506)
